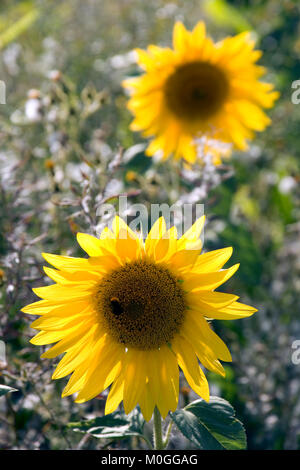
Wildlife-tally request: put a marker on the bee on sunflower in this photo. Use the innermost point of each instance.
(134, 312)
(199, 91)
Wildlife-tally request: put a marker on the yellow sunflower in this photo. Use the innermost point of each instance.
(199, 91)
(132, 313)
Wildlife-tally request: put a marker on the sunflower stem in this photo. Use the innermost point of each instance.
(157, 431)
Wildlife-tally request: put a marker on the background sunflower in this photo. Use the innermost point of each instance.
(199, 91)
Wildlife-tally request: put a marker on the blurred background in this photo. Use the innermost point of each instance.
(66, 148)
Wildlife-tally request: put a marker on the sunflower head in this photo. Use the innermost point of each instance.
(199, 89)
(142, 304)
(133, 313)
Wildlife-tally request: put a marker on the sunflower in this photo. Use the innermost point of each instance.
(199, 96)
(132, 313)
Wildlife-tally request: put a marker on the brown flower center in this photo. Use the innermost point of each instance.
(141, 304)
(196, 90)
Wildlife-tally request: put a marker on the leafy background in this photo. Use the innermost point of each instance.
(66, 149)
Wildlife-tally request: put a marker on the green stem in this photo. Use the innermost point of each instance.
(157, 431)
(148, 442)
(167, 435)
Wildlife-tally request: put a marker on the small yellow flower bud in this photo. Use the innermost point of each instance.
(131, 175)
(49, 164)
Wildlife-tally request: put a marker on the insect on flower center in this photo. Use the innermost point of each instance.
(196, 90)
(141, 304)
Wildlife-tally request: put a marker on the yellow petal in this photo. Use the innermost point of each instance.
(127, 247)
(187, 360)
(251, 115)
(198, 34)
(203, 351)
(40, 307)
(103, 264)
(157, 230)
(203, 331)
(233, 311)
(47, 307)
(62, 293)
(79, 353)
(208, 281)
(192, 234)
(76, 381)
(66, 263)
(186, 148)
(214, 300)
(91, 245)
(147, 403)
(161, 249)
(134, 378)
(183, 260)
(212, 260)
(179, 37)
(69, 278)
(47, 337)
(108, 367)
(163, 379)
(119, 224)
(70, 340)
(115, 395)
(54, 323)
(166, 247)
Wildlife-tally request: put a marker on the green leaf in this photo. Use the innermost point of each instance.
(113, 426)
(4, 389)
(211, 426)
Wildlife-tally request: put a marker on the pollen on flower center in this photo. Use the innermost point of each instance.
(141, 304)
(196, 90)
